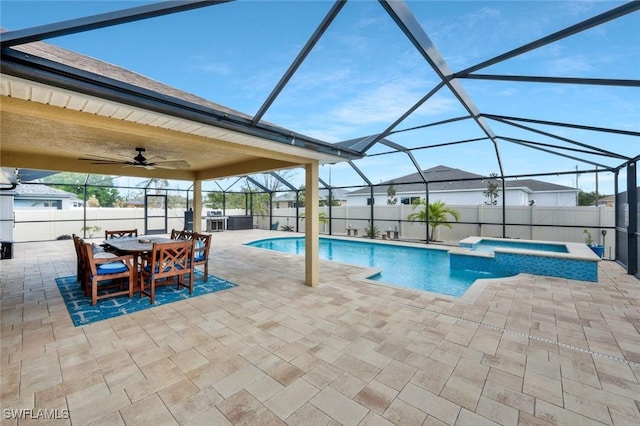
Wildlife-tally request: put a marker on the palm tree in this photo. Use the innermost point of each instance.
(438, 212)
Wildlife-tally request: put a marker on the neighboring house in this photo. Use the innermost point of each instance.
(609, 201)
(447, 184)
(134, 203)
(39, 196)
(288, 199)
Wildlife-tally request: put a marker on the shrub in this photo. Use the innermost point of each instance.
(371, 232)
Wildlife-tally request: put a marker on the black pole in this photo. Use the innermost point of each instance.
(224, 203)
(632, 228)
(271, 210)
(330, 210)
(372, 235)
(297, 210)
(616, 212)
(426, 207)
(146, 211)
(504, 209)
(84, 210)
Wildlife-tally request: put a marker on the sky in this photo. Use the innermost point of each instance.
(364, 74)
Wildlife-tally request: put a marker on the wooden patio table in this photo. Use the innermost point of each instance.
(137, 246)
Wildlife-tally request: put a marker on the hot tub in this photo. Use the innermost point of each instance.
(574, 261)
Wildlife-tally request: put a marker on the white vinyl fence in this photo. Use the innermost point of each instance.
(558, 223)
(50, 224)
(566, 224)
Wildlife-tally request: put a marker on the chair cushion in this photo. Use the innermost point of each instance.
(112, 268)
(199, 254)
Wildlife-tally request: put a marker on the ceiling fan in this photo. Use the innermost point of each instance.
(140, 161)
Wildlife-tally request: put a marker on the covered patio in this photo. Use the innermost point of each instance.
(521, 350)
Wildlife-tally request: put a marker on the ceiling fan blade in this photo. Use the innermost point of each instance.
(144, 166)
(138, 161)
(90, 157)
(176, 164)
(105, 162)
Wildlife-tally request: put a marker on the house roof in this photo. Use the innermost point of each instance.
(41, 191)
(337, 194)
(444, 178)
(98, 67)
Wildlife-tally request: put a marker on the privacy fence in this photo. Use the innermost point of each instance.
(608, 226)
(389, 222)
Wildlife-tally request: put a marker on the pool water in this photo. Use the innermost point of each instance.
(489, 246)
(412, 267)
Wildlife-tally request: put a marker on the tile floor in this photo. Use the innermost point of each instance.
(527, 350)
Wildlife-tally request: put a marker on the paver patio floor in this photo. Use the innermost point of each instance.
(527, 350)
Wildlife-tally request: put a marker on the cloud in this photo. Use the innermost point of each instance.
(319, 78)
(572, 66)
(370, 110)
(555, 60)
(386, 103)
(481, 16)
(204, 65)
(367, 22)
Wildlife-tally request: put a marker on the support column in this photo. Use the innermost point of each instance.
(312, 225)
(197, 206)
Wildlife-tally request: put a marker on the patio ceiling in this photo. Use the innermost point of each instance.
(49, 128)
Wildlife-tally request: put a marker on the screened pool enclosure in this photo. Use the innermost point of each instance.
(288, 112)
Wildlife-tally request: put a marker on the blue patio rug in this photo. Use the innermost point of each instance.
(83, 313)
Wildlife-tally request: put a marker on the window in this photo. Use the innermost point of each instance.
(55, 204)
(409, 200)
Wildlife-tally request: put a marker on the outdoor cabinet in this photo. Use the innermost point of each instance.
(239, 222)
(188, 220)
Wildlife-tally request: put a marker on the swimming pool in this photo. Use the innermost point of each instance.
(413, 267)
